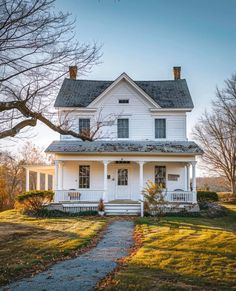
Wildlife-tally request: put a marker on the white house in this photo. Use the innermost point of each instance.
(142, 137)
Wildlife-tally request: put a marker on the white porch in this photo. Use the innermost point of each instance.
(104, 173)
(39, 177)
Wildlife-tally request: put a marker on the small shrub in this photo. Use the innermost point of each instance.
(208, 196)
(58, 213)
(212, 209)
(154, 199)
(101, 206)
(33, 201)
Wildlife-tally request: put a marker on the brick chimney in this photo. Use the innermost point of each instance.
(73, 72)
(177, 73)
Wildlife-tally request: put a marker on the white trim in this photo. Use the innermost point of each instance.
(105, 173)
(128, 154)
(131, 82)
(171, 109)
(76, 109)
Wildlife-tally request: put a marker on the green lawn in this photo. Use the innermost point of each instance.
(29, 244)
(182, 254)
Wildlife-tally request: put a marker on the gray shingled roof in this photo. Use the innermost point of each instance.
(167, 94)
(186, 147)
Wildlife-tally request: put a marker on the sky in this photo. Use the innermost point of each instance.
(146, 38)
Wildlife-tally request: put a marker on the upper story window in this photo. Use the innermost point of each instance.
(123, 101)
(84, 176)
(160, 176)
(84, 126)
(160, 128)
(123, 128)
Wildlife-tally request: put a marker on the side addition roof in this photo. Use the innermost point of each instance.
(167, 94)
(152, 147)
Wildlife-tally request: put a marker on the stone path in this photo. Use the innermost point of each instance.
(84, 272)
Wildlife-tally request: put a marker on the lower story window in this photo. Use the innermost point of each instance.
(84, 176)
(160, 176)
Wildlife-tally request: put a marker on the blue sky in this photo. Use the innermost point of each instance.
(147, 38)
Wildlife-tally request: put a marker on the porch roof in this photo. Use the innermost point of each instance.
(154, 147)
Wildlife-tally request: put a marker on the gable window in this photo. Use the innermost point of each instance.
(84, 176)
(160, 128)
(123, 128)
(160, 176)
(123, 101)
(84, 126)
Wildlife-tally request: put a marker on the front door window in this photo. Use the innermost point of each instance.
(122, 177)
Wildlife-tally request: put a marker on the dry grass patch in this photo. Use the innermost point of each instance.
(29, 244)
(182, 254)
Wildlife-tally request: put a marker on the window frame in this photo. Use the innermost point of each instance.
(121, 136)
(162, 129)
(82, 120)
(123, 101)
(122, 177)
(164, 177)
(83, 184)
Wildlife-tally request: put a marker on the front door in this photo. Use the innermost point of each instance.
(122, 183)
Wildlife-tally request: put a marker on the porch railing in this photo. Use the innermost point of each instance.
(94, 196)
(78, 195)
(181, 196)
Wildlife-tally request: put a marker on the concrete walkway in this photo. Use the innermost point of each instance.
(84, 272)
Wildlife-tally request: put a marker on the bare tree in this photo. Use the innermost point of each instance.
(216, 133)
(12, 173)
(37, 45)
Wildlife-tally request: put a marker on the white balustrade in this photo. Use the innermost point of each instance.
(78, 195)
(180, 196)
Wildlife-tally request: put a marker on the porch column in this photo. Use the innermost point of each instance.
(56, 175)
(105, 198)
(188, 177)
(194, 181)
(60, 175)
(27, 180)
(141, 184)
(38, 181)
(53, 182)
(46, 181)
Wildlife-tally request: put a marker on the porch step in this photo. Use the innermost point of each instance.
(122, 209)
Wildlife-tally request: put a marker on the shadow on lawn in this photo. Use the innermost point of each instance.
(25, 248)
(226, 223)
(140, 278)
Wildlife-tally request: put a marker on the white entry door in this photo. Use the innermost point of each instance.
(122, 183)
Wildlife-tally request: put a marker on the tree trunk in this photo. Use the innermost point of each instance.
(233, 187)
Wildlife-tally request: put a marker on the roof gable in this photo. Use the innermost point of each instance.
(125, 77)
(164, 94)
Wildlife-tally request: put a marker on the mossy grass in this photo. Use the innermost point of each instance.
(29, 244)
(182, 253)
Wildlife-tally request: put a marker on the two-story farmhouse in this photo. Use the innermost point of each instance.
(142, 137)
